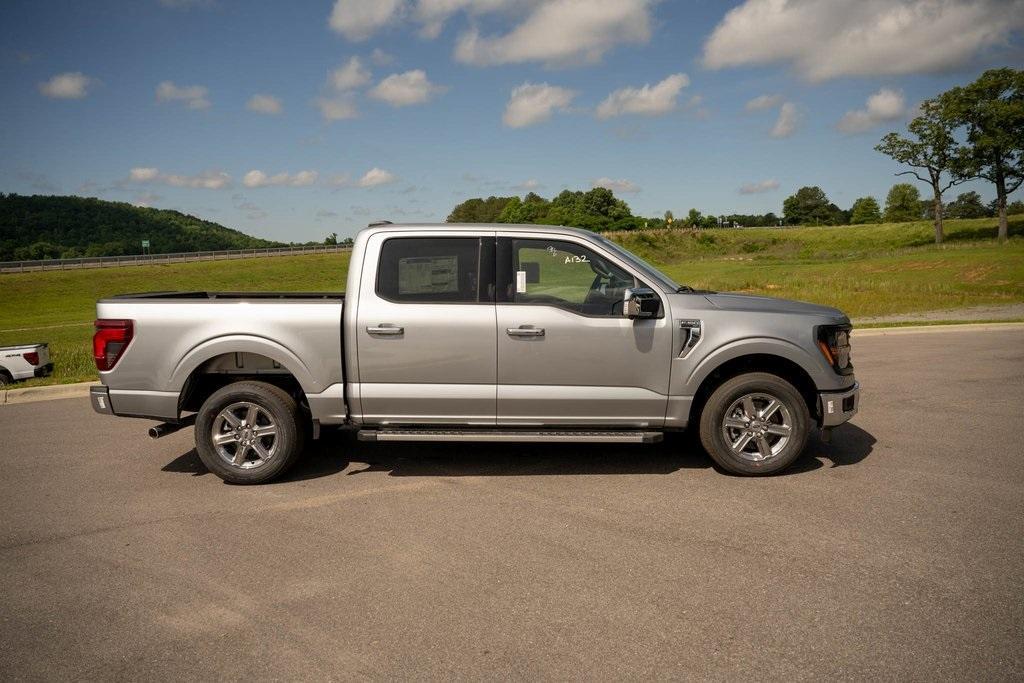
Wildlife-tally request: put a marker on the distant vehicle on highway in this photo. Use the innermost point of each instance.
(24, 362)
(478, 333)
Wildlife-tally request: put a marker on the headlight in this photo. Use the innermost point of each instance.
(834, 343)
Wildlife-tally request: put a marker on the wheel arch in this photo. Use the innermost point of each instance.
(771, 363)
(223, 361)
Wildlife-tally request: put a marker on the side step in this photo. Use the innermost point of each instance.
(520, 435)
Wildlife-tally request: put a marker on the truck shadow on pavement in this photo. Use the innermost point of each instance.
(339, 452)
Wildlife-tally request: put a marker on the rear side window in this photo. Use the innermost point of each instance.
(430, 270)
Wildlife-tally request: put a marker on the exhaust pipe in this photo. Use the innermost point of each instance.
(165, 428)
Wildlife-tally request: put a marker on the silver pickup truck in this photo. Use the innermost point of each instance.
(478, 333)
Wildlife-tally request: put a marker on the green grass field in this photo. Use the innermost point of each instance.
(864, 270)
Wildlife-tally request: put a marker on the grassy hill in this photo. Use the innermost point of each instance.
(864, 270)
(65, 227)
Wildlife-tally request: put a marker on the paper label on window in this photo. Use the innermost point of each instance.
(521, 281)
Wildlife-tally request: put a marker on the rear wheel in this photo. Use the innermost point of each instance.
(249, 432)
(5, 379)
(755, 423)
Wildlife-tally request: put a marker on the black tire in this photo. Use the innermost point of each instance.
(5, 379)
(275, 409)
(724, 399)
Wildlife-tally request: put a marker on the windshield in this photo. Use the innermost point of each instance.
(664, 280)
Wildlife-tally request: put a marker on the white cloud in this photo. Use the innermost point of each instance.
(358, 19)
(352, 75)
(381, 58)
(264, 104)
(194, 96)
(207, 180)
(559, 32)
(431, 14)
(532, 103)
(144, 174)
(337, 108)
(72, 85)
(402, 90)
(650, 100)
(885, 105)
(763, 102)
(256, 178)
(616, 185)
(528, 185)
(824, 39)
(376, 176)
(758, 187)
(788, 121)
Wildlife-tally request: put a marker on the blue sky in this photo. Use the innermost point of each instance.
(254, 115)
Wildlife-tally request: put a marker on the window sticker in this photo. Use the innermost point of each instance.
(428, 274)
(521, 282)
(572, 258)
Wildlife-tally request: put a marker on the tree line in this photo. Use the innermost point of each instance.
(965, 133)
(49, 227)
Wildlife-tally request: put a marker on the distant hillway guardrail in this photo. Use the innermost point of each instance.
(148, 259)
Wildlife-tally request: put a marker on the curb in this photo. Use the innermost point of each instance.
(922, 329)
(48, 393)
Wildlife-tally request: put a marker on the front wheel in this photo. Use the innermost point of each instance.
(249, 432)
(755, 423)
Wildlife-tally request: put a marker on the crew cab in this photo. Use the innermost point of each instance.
(24, 361)
(478, 333)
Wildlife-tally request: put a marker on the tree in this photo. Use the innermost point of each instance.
(810, 206)
(477, 210)
(933, 149)
(992, 109)
(903, 203)
(865, 210)
(693, 218)
(331, 239)
(967, 205)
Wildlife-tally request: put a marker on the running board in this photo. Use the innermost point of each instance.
(513, 435)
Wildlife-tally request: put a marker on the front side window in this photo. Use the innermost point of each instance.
(567, 275)
(429, 270)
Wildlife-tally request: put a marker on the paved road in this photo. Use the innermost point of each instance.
(896, 551)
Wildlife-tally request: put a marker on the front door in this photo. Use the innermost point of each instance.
(426, 331)
(566, 354)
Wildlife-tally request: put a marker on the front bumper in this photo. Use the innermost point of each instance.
(837, 407)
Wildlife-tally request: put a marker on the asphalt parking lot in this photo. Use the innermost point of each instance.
(896, 551)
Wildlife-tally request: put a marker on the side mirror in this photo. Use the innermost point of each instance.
(640, 302)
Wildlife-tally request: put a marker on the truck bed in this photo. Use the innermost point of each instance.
(331, 296)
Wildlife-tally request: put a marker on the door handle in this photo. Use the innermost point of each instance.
(386, 330)
(525, 331)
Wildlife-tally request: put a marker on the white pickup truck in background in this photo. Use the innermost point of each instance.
(24, 362)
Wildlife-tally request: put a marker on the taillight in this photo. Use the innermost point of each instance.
(110, 341)
(32, 357)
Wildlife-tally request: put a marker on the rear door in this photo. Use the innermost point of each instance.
(566, 354)
(426, 334)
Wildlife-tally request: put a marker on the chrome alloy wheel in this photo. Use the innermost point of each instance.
(245, 435)
(757, 427)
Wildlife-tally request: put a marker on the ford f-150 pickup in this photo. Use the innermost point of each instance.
(478, 333)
